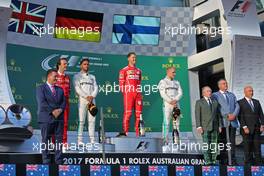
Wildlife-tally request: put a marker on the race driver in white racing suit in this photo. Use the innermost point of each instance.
(86, 88)
(171, 92)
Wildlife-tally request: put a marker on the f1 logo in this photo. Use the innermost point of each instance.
(243, 8)
(142, 146)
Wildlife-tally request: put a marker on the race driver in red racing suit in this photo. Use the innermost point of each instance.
(63, 81)
(129, 81)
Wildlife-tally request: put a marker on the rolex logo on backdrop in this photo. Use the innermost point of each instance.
(170, 63)
(43, 80)
(13, 67)
(109, 114)
(16, 96)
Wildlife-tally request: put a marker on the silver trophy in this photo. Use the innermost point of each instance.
(18, 115)
(2, 115)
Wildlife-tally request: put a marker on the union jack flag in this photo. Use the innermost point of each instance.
(27, 18)
(31, 167)
(95, 168)
(64, 167)
(2, 166)
(124, 168)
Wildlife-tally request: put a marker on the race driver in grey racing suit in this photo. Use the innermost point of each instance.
(86, 88)
(171, 92)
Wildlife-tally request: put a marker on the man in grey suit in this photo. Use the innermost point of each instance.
(229, 109)
(208, 123)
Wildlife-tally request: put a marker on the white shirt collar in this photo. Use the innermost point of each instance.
(207, 98)
(222, 92)
(49, 85)
(169, 78)
(84, 73)
(60, 73)
(248, 99)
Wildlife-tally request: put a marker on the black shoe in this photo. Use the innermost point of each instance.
(121, 134)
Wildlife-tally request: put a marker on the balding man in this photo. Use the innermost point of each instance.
(208, 123)
(252, 123)
(171, 93)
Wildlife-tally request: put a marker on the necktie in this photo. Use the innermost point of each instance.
(53, 90)
(251, 105)
(210, 103)
(226, 96)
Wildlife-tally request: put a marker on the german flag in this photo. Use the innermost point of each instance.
(78, 25)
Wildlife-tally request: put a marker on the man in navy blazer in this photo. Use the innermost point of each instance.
(51, 105)
(229, 109)
(252, 125)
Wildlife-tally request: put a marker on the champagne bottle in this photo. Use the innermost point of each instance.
(141, 126)
(175, 132)
(99, 133)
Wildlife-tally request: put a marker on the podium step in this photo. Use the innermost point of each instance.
(137, 144)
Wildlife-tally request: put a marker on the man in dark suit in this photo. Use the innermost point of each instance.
(51, 105)
(208, 123)
(252, 123)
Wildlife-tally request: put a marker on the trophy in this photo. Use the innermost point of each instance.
(18, 115)
(2, 115)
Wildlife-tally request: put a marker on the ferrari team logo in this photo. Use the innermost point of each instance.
(121, 76)
(130, 72)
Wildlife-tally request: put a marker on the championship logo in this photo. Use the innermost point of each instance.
(240, 8)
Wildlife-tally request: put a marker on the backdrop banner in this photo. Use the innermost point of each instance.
(27, 69)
